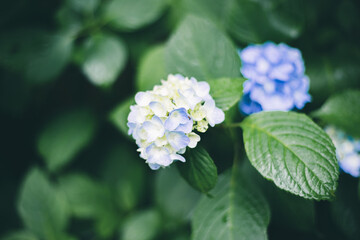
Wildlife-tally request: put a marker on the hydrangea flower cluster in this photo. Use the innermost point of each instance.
(276, 78)
(347, 150)
(163, 120)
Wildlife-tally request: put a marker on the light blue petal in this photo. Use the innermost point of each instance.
(154, 166)
(177, 140)
(176, 117)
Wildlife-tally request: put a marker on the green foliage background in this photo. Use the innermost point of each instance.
(68, 73)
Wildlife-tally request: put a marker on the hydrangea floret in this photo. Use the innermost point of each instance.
(164, 120)
(347, 150)
(276, 78)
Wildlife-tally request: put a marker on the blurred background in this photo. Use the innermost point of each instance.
(67, 71)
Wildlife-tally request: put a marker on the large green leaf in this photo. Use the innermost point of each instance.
(170, 189)
(199, 49)
(124, 172)
(65, 136)
(88, 199)
(38, 55)
(226, 91)
(291, 150)
(104, 57)
(253, 21)
(199, 170)
(235, 211)
(151, 69)
(142, 226)
(131, 15)
(42, 207)
(343, 111)
(119, 115)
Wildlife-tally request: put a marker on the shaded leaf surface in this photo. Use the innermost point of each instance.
(104, 57)
(199, 170)
(343, 111)
(226, 91)
(142, 226)
(151, 69)
(42, 208)
(199, 49)
(131, 15)
(65, 136)
(235, 211)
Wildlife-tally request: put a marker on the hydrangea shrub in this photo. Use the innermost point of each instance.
(191, 119)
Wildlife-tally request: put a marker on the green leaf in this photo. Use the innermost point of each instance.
(343, 111)
(253, 21)
(124, 172)
(288, 211)
(88, 199)
(199, 49)
(20, 235)
(38, 55)
(119, 115)
(235, 211)
(226, 91)
(334, 72)
(291, 150)
(345, 209)
(104, 57)
(199, 170)
(151, 69)
(42, 208)
(65, 136)
(131, 15)
(291, 211)
(84, 195)
(142, 226)
(83, 6)
(170, 189)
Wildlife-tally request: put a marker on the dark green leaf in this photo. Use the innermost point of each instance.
(90, 200)
(104, 57)
(235, 211)
(288, 211)
(345, 210)
(83, 6)
(199, 49)
(65, 136)
(343, 111)
(42, 208)
(151, 69)
(170, 191)
(131, 15)
(199, 170)
(120, 114)
(226, 91)
(253, 21)
(142, 226)
(36, 54)
(124, 171)
(291, 150)
(334, 72)
(20, 235)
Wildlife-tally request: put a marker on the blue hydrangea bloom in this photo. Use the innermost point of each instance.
(276, 78)
(347, 150)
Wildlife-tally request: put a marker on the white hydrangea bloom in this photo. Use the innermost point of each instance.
(164, 119)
